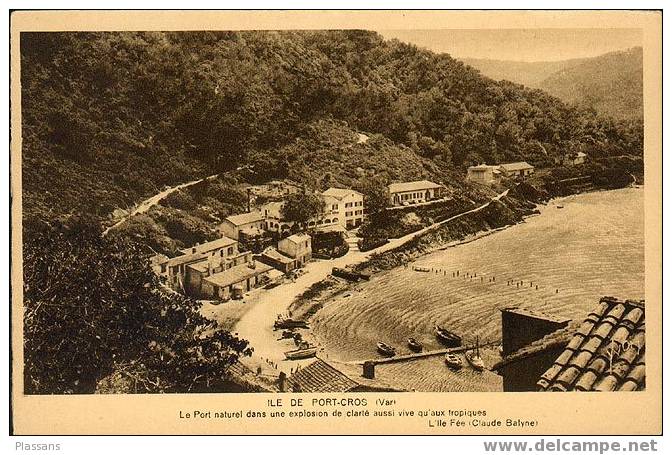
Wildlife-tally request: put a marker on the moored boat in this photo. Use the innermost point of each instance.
(448, 338)
(302, 352)
(414, 345)
(417, 268)
(453, 361)
(386, 349)
(474, 358)
(289, 324)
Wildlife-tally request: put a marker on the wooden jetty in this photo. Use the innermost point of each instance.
(421, 355)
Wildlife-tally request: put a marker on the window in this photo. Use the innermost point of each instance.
(348, 213)
(229, 251)
(334, 206)
(221, 253)
(163, 268)
(348, 205)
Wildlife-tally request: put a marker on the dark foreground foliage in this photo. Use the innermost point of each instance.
(93, 307)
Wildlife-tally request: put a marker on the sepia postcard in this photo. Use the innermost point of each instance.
(336, 222)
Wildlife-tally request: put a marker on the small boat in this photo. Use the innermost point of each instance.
(560, 206)
(453, 361)
(289, 324)
(414, 345)
(287, 334)
(304, 351)
(448, 338)
(474, 358)
(420, 269)
(386, 349)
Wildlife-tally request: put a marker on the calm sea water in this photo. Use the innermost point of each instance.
(593, 246)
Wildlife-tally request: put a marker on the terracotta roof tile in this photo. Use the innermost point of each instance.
(552, 373)
(564, 357)
(599, 310)
(586, 328)
(604, 329)
(605, 353)
(568, 376)
(586, 381)
(634, 316)
(581, 360)
(628, 386)
(598, 365)
(592, 345)
(577, 340)
(620, 335)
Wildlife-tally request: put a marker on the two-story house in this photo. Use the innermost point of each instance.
(345, 205)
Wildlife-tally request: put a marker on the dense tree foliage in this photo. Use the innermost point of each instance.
(611, 83)
(93, 307)
(114, 116)
(302, 207)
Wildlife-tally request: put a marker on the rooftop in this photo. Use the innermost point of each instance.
(517, 166)
(605, 353)
(340, 193)
(535, 314)
(274, 254)
(483, 167)
(319, 376)
(209, 246)
(412, 186)
(298, 238)
(237, 273)
(245, 218)
(184, 259)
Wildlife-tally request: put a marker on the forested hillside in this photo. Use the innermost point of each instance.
(110, 118)
(610, 84)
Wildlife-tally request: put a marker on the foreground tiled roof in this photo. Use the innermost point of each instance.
(553, 340)
(319, 376)
(605, 353)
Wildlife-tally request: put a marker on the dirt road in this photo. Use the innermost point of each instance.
(145, 205)
(256, 325)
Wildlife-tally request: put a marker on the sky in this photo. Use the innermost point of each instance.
(525, 45)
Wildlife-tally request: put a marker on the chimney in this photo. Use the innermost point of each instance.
(282, 381)
(249, 190)
(369, 370)
(209, 268)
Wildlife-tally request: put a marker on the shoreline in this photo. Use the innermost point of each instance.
(255, 325)
(342, 288)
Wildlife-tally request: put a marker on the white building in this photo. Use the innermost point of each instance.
(344, 205)
(517, 169)
(419, 191)
(250, 224)
(297, 247)
(483, 173)
(208, 255)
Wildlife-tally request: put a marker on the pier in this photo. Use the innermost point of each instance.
(421, 355)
